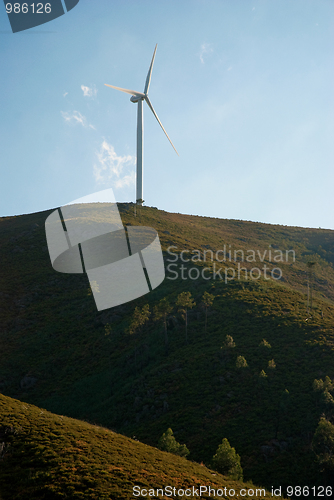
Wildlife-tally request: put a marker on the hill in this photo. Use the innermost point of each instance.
(59, 353)
(47, 456)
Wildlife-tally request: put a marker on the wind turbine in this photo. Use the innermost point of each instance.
(140, 97)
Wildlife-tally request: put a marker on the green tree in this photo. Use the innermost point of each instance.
(229, 342)
(326, 400)
(271, 364)
(185, 302)
(140, 317)
(208, 299)
(227, 461)
(167, 442)
(323, 447)
(241, 362)
(161, 311)
(264, 343)
(226, 348)
(323, 385)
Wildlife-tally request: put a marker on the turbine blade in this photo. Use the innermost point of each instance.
(148, 78)
(152, 109)
(127, 91)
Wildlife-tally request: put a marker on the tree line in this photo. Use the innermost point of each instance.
(184, 302)
(225, 460)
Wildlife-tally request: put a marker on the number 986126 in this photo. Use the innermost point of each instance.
(305, 491)
(33, 8)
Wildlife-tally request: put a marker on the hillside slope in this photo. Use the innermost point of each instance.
(60, 353)
(47, 456)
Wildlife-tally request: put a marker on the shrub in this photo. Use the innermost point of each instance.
(227, 461)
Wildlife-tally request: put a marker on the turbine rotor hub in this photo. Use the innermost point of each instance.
(136, 98)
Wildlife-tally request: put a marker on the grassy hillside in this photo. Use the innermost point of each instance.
(60, 353)
(51, 457)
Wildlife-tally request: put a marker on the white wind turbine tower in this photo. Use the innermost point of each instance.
(140, 97)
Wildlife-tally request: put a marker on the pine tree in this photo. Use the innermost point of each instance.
(227, 461)
(323, 447)
(271, 364)
(208, 299)
(140, 317)
(161, 311)
(264, 343)
(167, 442)
(185, 302)
(229, 342)
(241, 362)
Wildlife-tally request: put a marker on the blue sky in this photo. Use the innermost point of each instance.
(243, 88)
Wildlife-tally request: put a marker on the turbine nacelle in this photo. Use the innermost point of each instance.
(136, 98)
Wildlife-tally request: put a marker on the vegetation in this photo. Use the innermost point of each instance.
(310, 266)
(161, 311)
(241, 362)
(140, 317)
(264, 343)
(208, 299)
(271, 364)
(323, 446)
(185, 302)
(50, 457)
(229, 342)
(227, 461)
(59, 353)
(167, 442)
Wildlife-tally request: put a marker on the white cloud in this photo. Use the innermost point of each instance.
(114, 169)
(127, 180)
(65, 94)
(206, 48)
(76, 117)
(89, 92)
